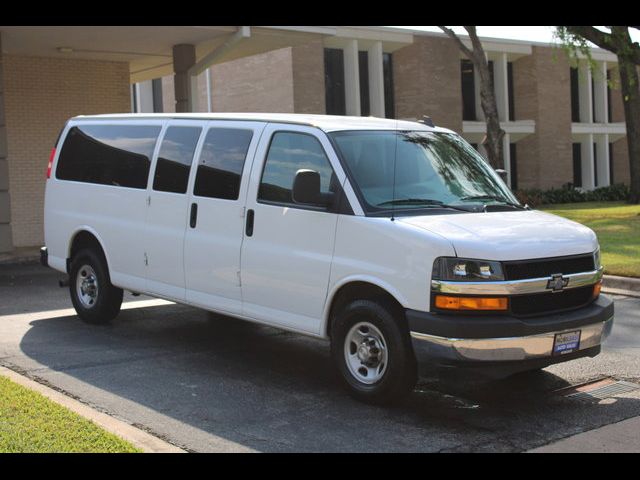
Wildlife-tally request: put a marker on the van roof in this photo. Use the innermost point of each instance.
(327, 123)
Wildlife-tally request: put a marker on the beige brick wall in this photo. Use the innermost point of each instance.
(260, 83)
(426, 77)
(307, 63)
(6, 242)
(40, 95)
(543, 93)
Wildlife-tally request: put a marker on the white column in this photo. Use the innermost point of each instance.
(193, 94)
(600, 92)
(208, 77)
(145, 96)
(506, 152)
(351, 78)
(584, 92)
(586, 155)
(476, 92)
(376, 81)
(501, 79)
(602, 160)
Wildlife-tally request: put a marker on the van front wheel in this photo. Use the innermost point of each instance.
(93, 296)
(372, 351)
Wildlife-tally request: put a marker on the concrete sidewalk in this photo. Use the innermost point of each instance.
(621, 437)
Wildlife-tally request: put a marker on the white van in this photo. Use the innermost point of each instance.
(395, 240)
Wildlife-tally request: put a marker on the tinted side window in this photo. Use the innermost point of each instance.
(221, 163)
(288, 153)
(117, 155)
(174, 159)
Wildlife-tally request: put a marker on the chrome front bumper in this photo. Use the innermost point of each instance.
(506, 349)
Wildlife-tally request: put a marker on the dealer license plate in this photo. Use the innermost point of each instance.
(566, 342)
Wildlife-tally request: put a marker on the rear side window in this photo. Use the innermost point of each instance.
(221, 163)
(118, 155)
(288, 153)
(174, 159)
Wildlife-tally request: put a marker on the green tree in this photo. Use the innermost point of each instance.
(618, 41)
(495, 133)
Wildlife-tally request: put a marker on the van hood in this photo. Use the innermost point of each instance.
(514, 235)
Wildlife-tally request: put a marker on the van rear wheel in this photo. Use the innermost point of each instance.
(372, 351)
(93, 296)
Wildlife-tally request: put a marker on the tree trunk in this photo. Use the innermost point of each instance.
(631, 101)
(495, 133)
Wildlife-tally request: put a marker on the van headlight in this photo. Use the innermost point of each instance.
(456, 269)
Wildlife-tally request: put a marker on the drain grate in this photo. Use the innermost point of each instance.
(599, 389)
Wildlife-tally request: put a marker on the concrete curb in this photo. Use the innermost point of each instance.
(139, 438)
(621, 285)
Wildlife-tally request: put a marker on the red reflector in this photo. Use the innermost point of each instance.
(50, 164)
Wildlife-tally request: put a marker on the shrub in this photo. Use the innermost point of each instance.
(568, 194)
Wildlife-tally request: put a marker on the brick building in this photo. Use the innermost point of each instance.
(563, 124)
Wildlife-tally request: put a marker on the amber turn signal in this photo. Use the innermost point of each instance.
(596, 289)
(448, 302)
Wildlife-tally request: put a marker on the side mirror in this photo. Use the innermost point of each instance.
(306, 189)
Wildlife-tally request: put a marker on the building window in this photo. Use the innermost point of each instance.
(611, 177)
(595, 165)
(577, 165)
(156, 90)
(575, 95)
(513, 166)
(363, 66)
(387, 72)
(334, 81)
(609, 116)
(510, 95)
(468, 91)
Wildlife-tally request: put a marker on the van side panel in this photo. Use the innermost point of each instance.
(116, 215)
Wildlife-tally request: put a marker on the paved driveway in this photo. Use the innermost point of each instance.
(211, 383)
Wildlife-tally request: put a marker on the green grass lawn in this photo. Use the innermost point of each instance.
(30, 422)
(617, 225)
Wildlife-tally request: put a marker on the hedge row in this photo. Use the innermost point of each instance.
(568, 194)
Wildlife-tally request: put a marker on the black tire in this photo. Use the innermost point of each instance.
(400, 376)
(108, 299)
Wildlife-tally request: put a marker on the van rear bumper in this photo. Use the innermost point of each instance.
(508, 343)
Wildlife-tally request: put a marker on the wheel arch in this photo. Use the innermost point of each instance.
(83, 237)
(358, 288)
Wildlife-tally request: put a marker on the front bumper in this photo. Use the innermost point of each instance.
(519, 343)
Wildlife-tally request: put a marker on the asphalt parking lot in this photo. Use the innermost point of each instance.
(212, 383)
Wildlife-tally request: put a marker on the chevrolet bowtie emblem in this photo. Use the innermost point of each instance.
(557, 282)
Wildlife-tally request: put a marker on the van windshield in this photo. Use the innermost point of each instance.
(431, 170)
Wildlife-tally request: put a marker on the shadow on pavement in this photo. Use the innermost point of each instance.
(271, 390)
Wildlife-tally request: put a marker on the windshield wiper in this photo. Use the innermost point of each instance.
(496, 198)
(428, 202)
(410, 201)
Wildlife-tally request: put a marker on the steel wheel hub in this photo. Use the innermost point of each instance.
(87, 286)
(365, 352)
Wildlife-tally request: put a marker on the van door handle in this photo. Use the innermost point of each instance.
(194, 215)
(249, 227)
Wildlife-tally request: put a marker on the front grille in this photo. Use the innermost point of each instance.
(546, 267)
(550, 302)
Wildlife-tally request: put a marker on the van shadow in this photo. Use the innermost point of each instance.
(269, 390)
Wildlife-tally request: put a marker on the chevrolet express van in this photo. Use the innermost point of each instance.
(394, 240)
